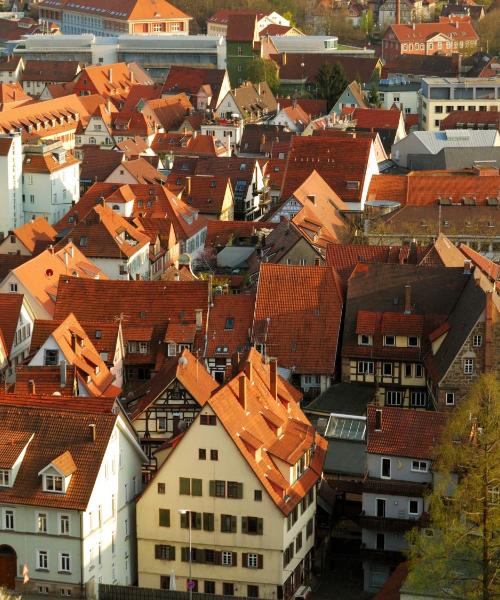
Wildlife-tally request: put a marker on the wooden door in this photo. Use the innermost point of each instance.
(8, 567)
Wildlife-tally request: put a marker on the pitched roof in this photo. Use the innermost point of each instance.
(254, 98)
(12, 94)
(207, 193)
(291, 68)
(459, 29)
(229, 324)
(9, 262)
(241, 27)
(187, 370)
(124, 10)
(404, 432)
(376, 118)
(222, 15)
(191, 79)
(53, 432)
(170, 111)
(140, 169)
(10, 63)
(311, 106)
(338, 160)
(46, 162)
(219, 233)
(98, 163)
(297, 316)
(487, 266)
(269, 427)
(465, 118)
(56, 71)
(421, 64)
(10, 310)
(34, 233)
(257, 137)
(40, 275)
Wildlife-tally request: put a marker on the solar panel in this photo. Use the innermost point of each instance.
(346, 428)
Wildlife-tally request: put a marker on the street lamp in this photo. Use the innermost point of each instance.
(184, 511)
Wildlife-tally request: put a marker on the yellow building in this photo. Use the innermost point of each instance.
(239, 485)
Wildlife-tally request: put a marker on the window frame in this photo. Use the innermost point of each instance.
(388, 459)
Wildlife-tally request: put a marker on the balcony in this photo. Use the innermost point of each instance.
(386, 524)
(395, 487)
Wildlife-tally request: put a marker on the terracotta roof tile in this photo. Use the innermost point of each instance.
(420, 32)
(405, 432)
(55, 431)
(464, 118)
(10, 310)
(219, 233)
(376, 118)
(50, 71)
(229, 324)
(190, 79)
(297, 316)
(34, 232)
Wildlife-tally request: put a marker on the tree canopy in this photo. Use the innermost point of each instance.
(330, 81)
(264, 70)
(459, 556)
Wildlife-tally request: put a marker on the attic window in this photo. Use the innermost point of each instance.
(352, 185)
(243, 167)
(53, 483)
(5, 477)
(83, 241)
(142, 314)
(213, 184)
(229, 323)
(98, 334)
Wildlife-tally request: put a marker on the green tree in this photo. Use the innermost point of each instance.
(489, 31)
(461, 560)
(374, 96)
(330, 81)
(367, 22)
(264, 70)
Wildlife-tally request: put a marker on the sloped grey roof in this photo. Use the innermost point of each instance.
(342, 398)
(434, 141)
(345, 457)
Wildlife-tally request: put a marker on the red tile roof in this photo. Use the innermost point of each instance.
(191, 79)
(291, 67)
(405, 432)
(229, 324)
(463, 118)
(337, 160)
(376, 118)
(222, 15)
(35, 233)
(311, 106)
(50, 71)
(297, 316)
(460, 30)
(55, 428)
(487, 266)
(219, 233)
(10, 310)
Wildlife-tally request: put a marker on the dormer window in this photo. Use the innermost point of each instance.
(389, 340)
(5, 478)
(365, 339)
(413, 341)
(53, 483)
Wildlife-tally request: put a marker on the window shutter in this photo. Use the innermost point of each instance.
(234, 562)
(244, 558)
(244, 524)
(240, 490)
(260, 561)
(211, 488)
(233, 524)
(260, 526)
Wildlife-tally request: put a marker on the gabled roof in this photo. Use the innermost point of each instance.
(11, 95)
(487, 266)
(312, 106)
(405, 432)
(206, 193)
(422, 64)
(43, 381)
(170, 111)
(141, 170)
(459, 119)
(40, 275)
(220, 233)
(106, 234)
(57, 430)
(229, 324)
(10, 310)
(222, 15)
(56, 71)
(338, 161)
(297, 316)
(241, 27)
(291, 67)
(376, 118)
(456, 29)
(191, 79)
(47, 162)
(187, 370)
(9, 262)
(254, 98)
(269, 427)
(129, 10)
(35, 233)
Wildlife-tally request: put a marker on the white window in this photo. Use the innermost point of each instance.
(64, 562)
(468, 366)
(42, 559)
(389, 340)
(64, 524)
(385, 468)
(450, 398)
(419, 466)
(5, 477)
(413, 507)
(394, 397)
(252, 561)
(13, 287)
(364, 340)
(41, 523)
(477, 341)
(227, 558)
(418, 398)
(365, 367)
(8, 520)
(53, 483)
(172, 349)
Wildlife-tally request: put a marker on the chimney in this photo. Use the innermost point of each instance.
(398, 13)
(243, 391)
(92, 431)
(199, 318)
(467, 266)
(110, 76)
(31, 386)
(378, 419)
(273, 378)
(62, 371)
(407, 299)
(249, 371)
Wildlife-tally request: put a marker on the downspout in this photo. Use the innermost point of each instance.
(82, 559)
